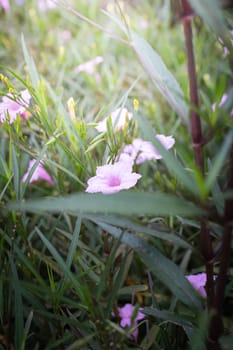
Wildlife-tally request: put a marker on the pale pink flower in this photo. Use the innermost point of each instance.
(112, 178)
(65, 36)
(141, 151)
(198, 282)
(126, 313)
(143, 24)
(89, 66)
(14, 106)
(39, 173)
(5, 5)
(44, 5)
(221, 103)
(119, 118)
(225, 49)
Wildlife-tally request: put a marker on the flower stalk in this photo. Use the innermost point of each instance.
(197, 140)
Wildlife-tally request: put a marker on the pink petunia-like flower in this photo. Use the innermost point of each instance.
(141, 151)
(112, 178)
(198, 282)
(39, 173)
(89, 66)
(5, 5)
(126, 312)
(12, 106)
(221, 103)
(44, 5)
(119, 118)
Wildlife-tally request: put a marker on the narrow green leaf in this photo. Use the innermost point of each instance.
(26, 330)
(63, 266)
(161, 233)
(119, 279)
(171, 317)
(74, 242)
(30, 64)
(106, 271)
(5, 187)
(160, 75)
(15, 169)
(163, 268)
(123, 203)
(218, 162)
(18, 307)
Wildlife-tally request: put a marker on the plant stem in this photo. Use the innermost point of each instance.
(197, 140)
(216, 326)
(196, 131)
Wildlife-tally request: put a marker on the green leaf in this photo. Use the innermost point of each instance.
(218, 162)
(123, 203)
(30, 64)
(19, 323)
(171, 317)
(163, 268)
(210, 13)
(160, 75)
(160, 233)
(15, 169)
(79, 288)
(226, 342)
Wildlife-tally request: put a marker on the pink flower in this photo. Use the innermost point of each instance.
(141, 151)
(119, 118)
(39, 173)
(225, 49)
(89, 66)
(14, 106)
(44, 5)
(5, 5)
(112, 178)
(198, 282)
(126, 312)
(221, 103)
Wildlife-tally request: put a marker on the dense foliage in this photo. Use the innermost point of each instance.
(116, 175)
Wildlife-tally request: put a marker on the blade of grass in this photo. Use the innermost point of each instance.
(18, 306)
(219, 160)
(127, 223)
(162, 267)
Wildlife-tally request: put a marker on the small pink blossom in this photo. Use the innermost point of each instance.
(126, 312)
(198, 282)
(119, 118)
(143, 24)
(39, 173)
(12, 106)
(221, 103)
(112, 178)
(44, 5)
(141, 151)
(225, 49)
(65, 36)
(5, 5)
(89, 66)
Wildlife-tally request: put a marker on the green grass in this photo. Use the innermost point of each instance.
(69, 259)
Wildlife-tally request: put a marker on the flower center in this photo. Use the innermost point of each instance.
(114, 181)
